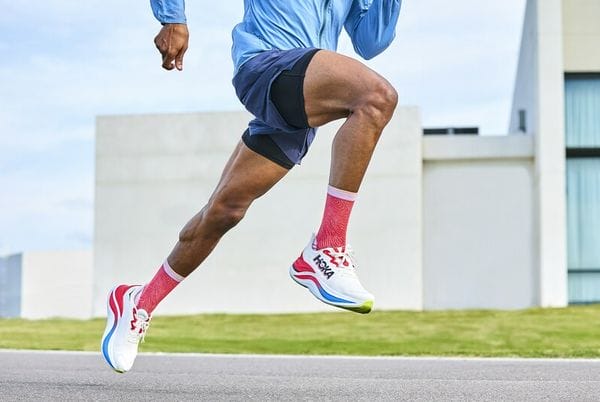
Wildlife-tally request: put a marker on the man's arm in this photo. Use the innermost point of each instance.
(371, 25)
(172, 40)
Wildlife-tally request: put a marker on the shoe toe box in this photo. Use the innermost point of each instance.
(123, 362)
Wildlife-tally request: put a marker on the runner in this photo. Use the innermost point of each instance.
(288, 75)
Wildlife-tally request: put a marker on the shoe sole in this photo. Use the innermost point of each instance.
(316, 288)
(112, 312)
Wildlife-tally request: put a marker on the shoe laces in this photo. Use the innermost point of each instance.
(139, 325)
(343, 257)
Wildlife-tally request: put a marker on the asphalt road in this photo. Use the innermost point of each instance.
(84, 376)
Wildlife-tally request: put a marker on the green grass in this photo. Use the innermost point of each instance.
(569, 332)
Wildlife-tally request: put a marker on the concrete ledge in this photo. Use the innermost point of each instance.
(477, 147)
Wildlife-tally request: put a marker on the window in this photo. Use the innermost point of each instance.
(582, 130)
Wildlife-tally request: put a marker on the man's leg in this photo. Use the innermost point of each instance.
(335, 87)
(247, 176)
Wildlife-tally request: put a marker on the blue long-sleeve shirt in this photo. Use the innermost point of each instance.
(285, 24)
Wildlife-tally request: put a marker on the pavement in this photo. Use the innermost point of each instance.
(65, 376)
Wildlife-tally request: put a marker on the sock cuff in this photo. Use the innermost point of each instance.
(343, 194)
(172, 274)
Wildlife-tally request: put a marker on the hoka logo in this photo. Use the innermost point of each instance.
(323, 266)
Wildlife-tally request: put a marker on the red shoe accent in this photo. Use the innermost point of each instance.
(302, 266)
(118, 293)
(134, 319)
(333, 259)
(113, 305)
(310, 278)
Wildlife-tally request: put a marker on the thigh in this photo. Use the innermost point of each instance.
(334, 85)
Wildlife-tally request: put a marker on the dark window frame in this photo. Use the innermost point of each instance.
(574, 153)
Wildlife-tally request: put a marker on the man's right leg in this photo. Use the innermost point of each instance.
(336, 87)
(246, 177)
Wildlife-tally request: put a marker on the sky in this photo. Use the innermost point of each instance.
(67, 61)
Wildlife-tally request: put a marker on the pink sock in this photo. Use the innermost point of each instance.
(159, 287)
(338, 206)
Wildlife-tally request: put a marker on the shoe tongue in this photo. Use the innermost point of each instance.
(143, 315)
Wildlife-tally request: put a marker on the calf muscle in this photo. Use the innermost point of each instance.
(246, 177)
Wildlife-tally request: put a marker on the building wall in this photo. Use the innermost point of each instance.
(10, 286)
(525, 89)
(479, 232)
(56, 284)
(539, 89)
(550, 156)
(581, 54)
(154, 172)
(581, 35)
(46, 284)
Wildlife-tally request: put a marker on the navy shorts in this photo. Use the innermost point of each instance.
(284, 141)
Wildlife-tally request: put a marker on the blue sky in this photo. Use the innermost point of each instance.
(69, 61)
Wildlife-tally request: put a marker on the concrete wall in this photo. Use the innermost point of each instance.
(154, 172)
(46, 284)
(525, 89)
(581, 35)
(550, 157)
(56, 284)
(539, 89)
(479, 233)
(10, 286)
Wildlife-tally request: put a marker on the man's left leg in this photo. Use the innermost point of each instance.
(246, 177)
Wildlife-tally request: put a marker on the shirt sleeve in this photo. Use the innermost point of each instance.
(169, 11)
(371, 25)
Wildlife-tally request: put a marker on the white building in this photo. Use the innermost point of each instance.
(44, 284)
(557, 101)
(442, 222)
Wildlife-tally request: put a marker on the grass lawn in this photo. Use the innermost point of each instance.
(569, 332)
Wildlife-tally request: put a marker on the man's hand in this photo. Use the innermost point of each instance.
(172, 42)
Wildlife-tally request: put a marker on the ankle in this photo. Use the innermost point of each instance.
(158, 288)
(338, 206)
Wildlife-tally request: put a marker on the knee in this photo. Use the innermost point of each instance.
(378, 103)
(217, 217)
(223, 215)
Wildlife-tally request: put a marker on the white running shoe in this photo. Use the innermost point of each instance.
(330, 275)
(126, 325)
